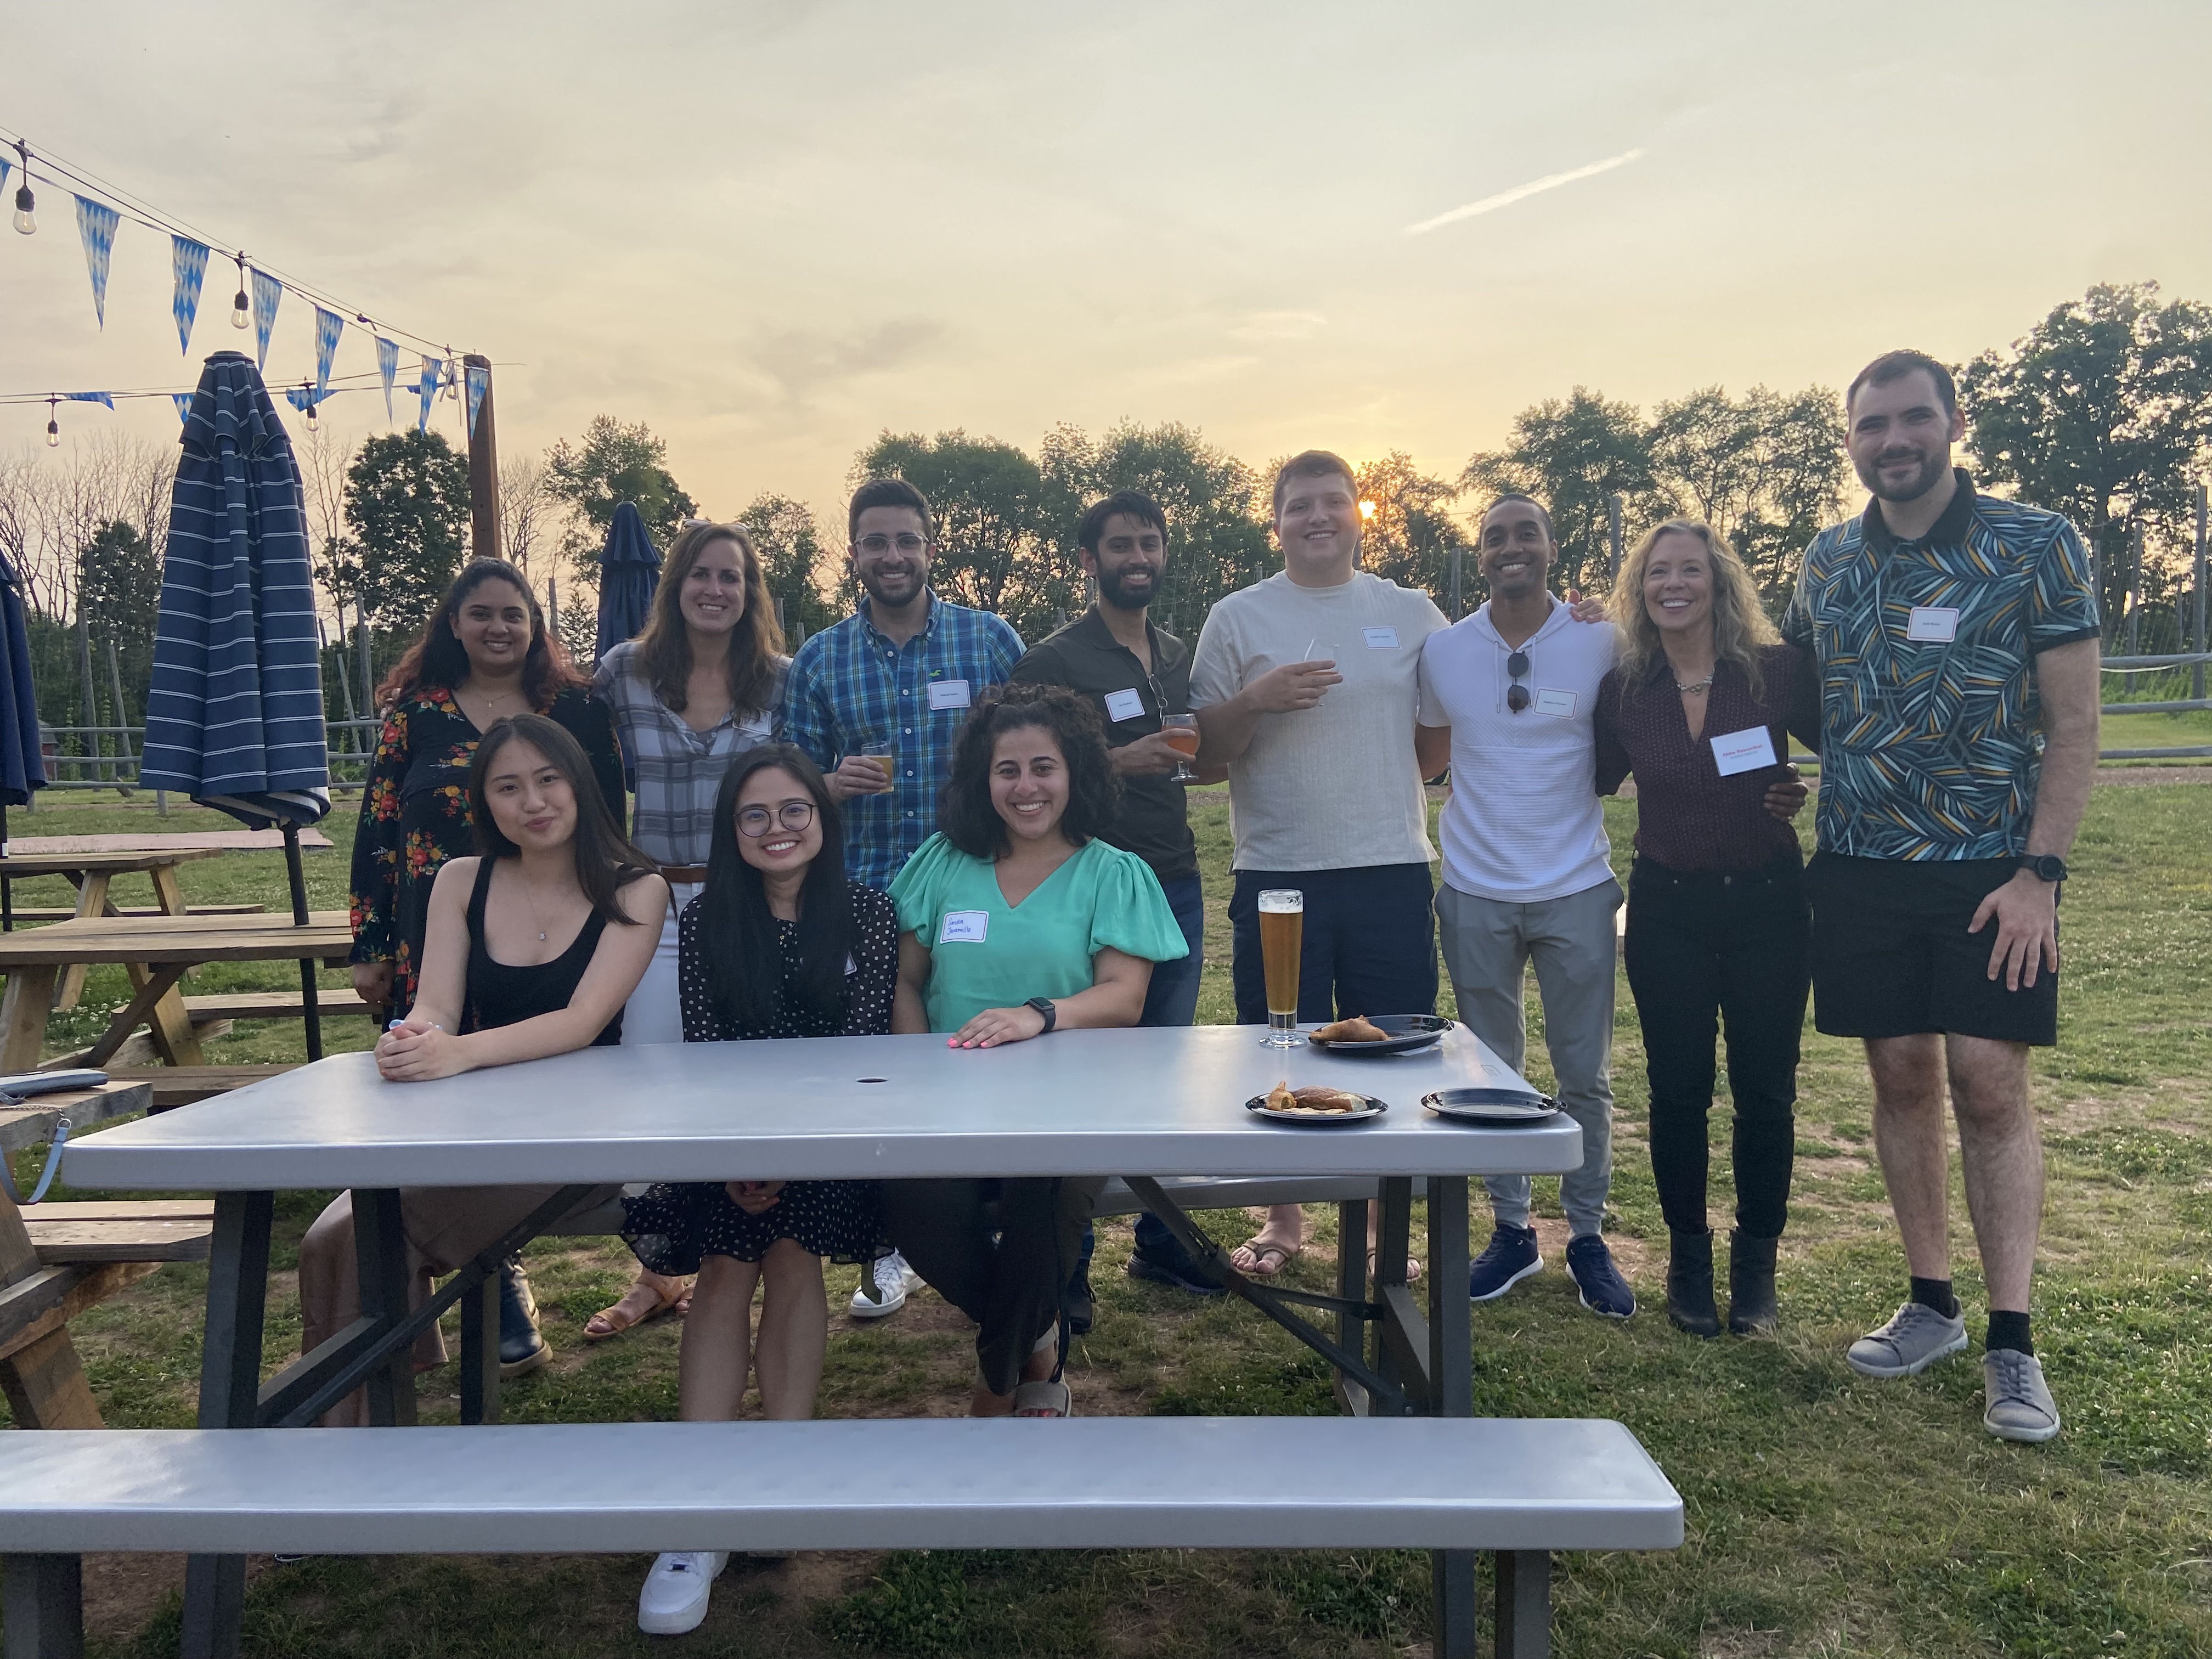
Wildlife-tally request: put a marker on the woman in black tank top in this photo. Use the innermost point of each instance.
(519, 962)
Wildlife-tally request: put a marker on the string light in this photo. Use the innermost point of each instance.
(308, 386)
(26, 218)
(453, 378)
(53, 425)
(242, 311)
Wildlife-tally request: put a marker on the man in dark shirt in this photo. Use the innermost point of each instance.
(1136, 674)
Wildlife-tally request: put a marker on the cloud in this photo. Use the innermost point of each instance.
(1522, 193)
(805, 361)
(1277, 325)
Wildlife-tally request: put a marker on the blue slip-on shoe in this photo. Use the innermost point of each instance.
(1168, 1263)
(1509, 1258)
(1589, 1264)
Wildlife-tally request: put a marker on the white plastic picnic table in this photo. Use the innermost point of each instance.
(1140, 1104)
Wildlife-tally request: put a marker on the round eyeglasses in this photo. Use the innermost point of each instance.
(754, 822)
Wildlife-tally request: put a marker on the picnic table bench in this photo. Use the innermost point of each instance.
(92, 872)
(1133, 1103)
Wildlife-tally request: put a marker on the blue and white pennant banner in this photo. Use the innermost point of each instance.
(188, 259)
(479, 381)
(183, 403)
(387, 365)
(95, 228)
(268, 292)
(328, 326)
(427, 388)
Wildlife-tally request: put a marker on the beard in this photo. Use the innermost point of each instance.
(894, 589)
(1932, 471)
(1115, 589)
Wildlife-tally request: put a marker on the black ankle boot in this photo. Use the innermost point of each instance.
(521, 1348)
(1751, 1285)
(1690, 1284)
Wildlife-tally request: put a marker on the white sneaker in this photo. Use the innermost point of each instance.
(885, 1292)
(674, 1599)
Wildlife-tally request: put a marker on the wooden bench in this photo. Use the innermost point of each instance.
(270, 1005)
(1520, 1488)
(28, 1125)
(180, 1085)
(56, 913)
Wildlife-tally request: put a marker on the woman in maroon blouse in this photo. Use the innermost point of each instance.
(1700, 707)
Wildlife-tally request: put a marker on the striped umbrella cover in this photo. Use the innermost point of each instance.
(235, 716)
(23, 768)
(629, 570)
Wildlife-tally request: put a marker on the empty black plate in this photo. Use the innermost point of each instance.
(1491, 1105)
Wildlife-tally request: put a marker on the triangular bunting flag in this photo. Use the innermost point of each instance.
(328, 326)
(183, 403)
(95, 228)
(189, 260)
(4, 167)
(479, 383)
(387, 365)
(88, 397)
(428, 388)
(268, 292)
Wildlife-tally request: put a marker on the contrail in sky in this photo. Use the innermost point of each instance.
(1521, 193)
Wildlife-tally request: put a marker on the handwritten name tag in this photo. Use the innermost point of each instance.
(1124, 705)
(964, 927)
(1935, 624)
(1380, 638)
(948, 694)
(1743, 751)
(1559, 703)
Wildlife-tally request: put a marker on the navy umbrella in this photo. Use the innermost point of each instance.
(629, 569)
(22, 766)
(234, 719)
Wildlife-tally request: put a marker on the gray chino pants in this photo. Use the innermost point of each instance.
(1488, 944)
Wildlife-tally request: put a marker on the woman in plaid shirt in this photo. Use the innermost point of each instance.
(699, 687)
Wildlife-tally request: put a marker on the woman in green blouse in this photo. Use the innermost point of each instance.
(1017, 921)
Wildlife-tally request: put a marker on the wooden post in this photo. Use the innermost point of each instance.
(367, 678)
(122, 714)
(91, 745)
(483, 465)
(2135, 588)
(2196, 672)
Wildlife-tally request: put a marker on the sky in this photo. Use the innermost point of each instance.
(771, 231)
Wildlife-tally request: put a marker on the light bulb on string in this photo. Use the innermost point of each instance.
(53, 425)
(241, 309)
(27, 220)
(308, 387)
(453, 378)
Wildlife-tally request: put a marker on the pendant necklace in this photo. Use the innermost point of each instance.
(1691, 690)
(530, 899)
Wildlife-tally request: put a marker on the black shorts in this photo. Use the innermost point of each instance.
(1891, 956)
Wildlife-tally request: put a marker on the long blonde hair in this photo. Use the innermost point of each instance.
(1740, 624)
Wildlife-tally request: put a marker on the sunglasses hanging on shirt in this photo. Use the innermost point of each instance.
(1516, 694)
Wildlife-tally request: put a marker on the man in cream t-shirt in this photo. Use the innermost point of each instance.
(1305, 685)
(1526, 872)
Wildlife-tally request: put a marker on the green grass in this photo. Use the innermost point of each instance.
(1827, 1514)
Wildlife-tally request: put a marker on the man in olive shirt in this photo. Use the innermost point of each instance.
(1134, 674)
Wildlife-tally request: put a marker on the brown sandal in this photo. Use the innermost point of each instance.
(613, 1322)
(1260, 1253)
(1413, 1268)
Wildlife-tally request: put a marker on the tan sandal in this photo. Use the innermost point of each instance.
(632, 1309)
(1258, 1254)
(1413, 1268)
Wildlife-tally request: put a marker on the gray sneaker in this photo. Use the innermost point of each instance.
(1916, 1337)
(2021, 1406)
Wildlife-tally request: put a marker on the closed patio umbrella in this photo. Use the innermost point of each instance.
(234, 719)
(22, 766)
(629, 569)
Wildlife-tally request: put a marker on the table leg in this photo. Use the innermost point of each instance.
(380, 1247)
(23, 1013)
(480, 1352)
(91, 900)
(44, 1606)
(1451, 1373)
(44, 1383)
(157, 984)
(230, 1379)
(175, 1038)
(1351, 1286)
(167, 893)
(1402, 1332)
(1524, 1604)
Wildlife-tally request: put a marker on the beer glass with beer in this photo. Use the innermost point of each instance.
(1182, 732)
(1282, 937)
(880, 752)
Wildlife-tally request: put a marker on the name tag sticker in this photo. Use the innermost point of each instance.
(1936, 624)
(1124, 705)
(964, 927)
(1743, 751)
(1380, 638)
(1561, 703)
(948, 694)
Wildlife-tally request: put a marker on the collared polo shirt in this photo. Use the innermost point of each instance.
(1154, 822)
(1926, 649)
(850, 686)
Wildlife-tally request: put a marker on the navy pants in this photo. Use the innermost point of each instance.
(1369, 946)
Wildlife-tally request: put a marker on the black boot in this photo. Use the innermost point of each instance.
(522, 1350)
(1751, 1285)
(1690, 1284)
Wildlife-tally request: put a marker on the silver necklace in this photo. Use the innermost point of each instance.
(1691, 690)
(530, 899)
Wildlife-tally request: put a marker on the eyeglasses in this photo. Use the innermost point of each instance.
(906, 542)
(1516, 694)
(754, 822)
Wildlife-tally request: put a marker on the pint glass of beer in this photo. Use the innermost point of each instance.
(1282, 935)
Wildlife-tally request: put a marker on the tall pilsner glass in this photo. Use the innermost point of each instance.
(1282, 935)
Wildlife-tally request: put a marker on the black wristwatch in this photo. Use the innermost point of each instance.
(1044, 1005)
(2047, 867)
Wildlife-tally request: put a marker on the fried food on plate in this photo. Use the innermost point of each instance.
(1358, 1029)
(1280, 1099)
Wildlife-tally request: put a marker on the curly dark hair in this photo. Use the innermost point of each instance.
(964, 811)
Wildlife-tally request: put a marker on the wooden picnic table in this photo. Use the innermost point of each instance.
(91, 871)
(156, 950)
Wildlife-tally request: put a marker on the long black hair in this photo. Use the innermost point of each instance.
(606, 860)
(737, 935)
(964, 811)
(438, 657)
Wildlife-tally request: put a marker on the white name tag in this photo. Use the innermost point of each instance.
(1743, 751)
(1380, 638)
(1124, 705)
(1561, 703)
(964, 927)
(1937, 624)
(948, 694)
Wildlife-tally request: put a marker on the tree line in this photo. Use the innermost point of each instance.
(2102, 411)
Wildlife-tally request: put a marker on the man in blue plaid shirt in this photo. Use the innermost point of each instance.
(899, 673)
